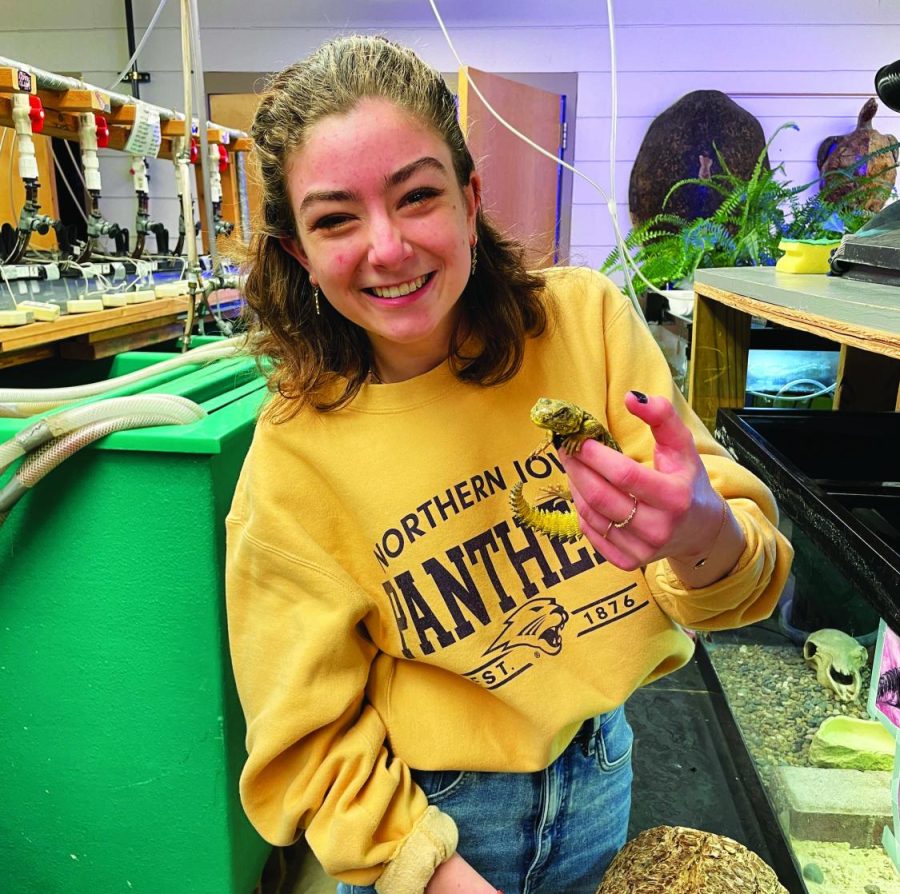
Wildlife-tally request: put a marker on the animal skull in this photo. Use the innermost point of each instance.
(838, 659)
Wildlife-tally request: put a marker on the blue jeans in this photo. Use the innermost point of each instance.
(548, 832)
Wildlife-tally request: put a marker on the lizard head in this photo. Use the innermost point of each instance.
(557, 416)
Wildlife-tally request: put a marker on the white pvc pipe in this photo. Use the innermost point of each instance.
(51, 81)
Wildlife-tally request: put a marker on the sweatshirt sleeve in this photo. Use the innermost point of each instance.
(317, 756)
(751, 591)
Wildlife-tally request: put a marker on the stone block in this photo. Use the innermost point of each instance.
(815, 804)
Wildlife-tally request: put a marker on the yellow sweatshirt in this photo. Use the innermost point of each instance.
(386, 611)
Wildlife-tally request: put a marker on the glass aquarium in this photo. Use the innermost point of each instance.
(814, 692)
(791, 378)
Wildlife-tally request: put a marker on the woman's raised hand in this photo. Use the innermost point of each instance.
(633, 514)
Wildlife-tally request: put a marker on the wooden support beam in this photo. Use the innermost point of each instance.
(17, 80)
(122, 115)
(720, 342)
(75, 101)
(70, 325)
(230, 206)
(27, 355)
(866, 381)
(172, 128)
(93, 348)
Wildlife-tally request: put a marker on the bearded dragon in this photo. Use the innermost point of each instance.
(567, 426)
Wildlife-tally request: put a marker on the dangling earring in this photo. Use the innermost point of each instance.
(316, 299)
(474, 257)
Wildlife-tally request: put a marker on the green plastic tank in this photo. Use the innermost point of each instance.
(121, 736)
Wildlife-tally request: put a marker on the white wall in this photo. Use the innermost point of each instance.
(806, 61)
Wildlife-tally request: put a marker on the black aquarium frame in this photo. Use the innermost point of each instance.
(839, 461)
(781, 857)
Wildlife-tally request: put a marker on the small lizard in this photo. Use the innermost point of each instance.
(567, 426)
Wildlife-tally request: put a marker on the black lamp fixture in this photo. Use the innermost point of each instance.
(887, 85)
(872, 253)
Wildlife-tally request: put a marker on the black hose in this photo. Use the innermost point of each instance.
(138, 245)
(20, 248)
(85, 255)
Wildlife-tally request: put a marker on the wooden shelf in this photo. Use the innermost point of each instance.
(69, 325)
(102, 333)
(861, 319)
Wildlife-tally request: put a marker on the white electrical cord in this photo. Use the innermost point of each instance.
(140, 46)
(75, 163)
(65, 181)
(610, 202)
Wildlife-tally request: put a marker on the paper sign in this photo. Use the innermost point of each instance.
(146, 136)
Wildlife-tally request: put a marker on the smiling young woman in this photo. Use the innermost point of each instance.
(334, 137)
(385, 231)
(434, 695)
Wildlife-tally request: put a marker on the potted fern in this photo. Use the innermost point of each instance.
(755, 215)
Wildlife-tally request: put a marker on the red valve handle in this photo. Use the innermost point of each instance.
(223, 159)
(102, 131)
(195, 150)
(36, 113)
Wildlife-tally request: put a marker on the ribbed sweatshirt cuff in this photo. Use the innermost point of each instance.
(432, 841)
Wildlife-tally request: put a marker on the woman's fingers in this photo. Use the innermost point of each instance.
(630, 512)
(633, 535)
(674, 441)
(602, 474)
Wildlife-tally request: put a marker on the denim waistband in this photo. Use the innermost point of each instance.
(586, 732)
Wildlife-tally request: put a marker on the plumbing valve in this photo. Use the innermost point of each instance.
(36, 113)
(22, 120)
(87, 135)
(30, 221)
(102, 131)
(138, 171)
(215, 177)
(97, 225)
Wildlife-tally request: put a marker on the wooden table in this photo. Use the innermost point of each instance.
(863, 319)
(105, 332)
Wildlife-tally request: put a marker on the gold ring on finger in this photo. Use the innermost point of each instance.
(626, 521)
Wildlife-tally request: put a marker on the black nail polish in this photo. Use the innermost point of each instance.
(642, 398)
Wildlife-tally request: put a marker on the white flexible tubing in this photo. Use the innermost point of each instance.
(57, 424)
(140, 46)
(627, 260)
(46, 458)
(779, 395)
(50, 397)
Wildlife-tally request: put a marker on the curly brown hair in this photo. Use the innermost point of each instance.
(322, 359)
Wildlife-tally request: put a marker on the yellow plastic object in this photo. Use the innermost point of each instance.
(852, 743)
(805, 255)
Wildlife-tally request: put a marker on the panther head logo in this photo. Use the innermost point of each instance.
(538, 624)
